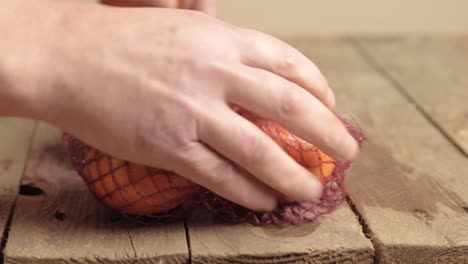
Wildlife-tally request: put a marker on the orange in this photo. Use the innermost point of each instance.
(135, 189)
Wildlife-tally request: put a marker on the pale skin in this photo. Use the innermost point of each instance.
(156, 85)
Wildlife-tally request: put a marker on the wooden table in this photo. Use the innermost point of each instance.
(408, 193)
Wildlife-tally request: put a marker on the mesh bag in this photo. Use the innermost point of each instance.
(137, 190)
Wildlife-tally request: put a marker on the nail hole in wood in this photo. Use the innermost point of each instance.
(423, 214)
(30, 190)
(60, 216)
(465, 208)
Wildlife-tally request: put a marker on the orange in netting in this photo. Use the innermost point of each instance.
(139, 190)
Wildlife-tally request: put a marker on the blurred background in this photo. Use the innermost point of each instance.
(358, 17)
(293, 18)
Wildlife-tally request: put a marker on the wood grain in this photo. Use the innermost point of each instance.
(66, 224)
(434, 74)
(15, 138)
(336, 238)
(410, 183)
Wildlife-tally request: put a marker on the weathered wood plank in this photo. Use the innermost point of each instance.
(15, 138)
(65, 224)
(409, 183)
(434, 73)
(336, 238)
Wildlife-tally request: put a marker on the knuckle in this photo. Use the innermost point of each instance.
(189, 155)
(332, 139)
(210, 170)
(145, 139)
(255, 151)
(220, 173)
(153, 136)
(229, 73)
(286, 62)
(215, 173)
(218, 68)
(178, 138)
(290, 101)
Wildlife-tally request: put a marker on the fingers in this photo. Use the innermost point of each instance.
(203, 166)
(241, 141)
(275, 98)
(266, 52)
(143, 3)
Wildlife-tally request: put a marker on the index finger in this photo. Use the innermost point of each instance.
(280, 100)
(245, 144)
(265, 52)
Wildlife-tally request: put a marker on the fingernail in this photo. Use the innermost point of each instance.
(314, 189)
(350, 149)
(331, 99)
(270, 205)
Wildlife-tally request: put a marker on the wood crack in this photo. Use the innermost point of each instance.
(6, 230)
(6, 233)
(187, 238)
(133, 246)
(376, 243)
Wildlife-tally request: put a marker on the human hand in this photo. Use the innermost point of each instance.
(207, 6)
(155, 86)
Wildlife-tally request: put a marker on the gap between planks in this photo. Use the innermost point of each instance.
(85, 233)
(382, 71)
(401, 167)
(367, 231)
(187, 240)
(6, 231)
(395, 83)
(27, 148)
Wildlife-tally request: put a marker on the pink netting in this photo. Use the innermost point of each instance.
(136, 190)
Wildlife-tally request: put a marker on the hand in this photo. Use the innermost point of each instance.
(154, 86)
(207, 6)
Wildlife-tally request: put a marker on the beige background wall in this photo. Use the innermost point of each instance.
(337, 17)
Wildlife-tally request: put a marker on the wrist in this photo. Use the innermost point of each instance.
(30, 30)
